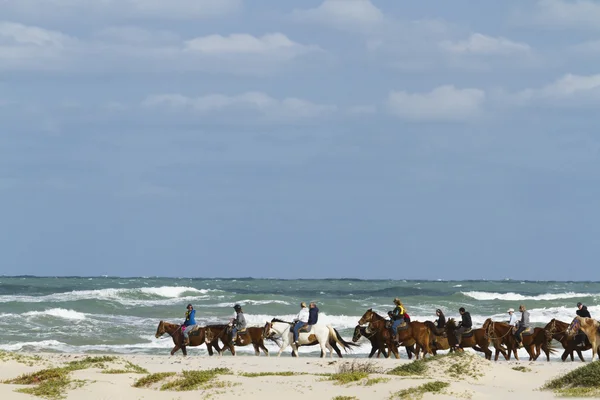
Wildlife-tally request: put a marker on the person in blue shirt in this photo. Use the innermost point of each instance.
(313, 313)
(188, 324)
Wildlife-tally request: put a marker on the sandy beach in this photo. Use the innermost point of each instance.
(305, 376)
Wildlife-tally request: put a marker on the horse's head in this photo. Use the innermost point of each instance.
(357, 334)
(450, 325)
(367, 317)
(487, 323)
(209, 335)
(160, 330)
(267, 330)
(574, 327)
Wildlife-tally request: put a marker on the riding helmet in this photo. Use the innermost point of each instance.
(237, 307)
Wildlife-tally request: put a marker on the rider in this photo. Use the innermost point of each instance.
(582, 311)
(512, 318)
(522, 324)
(313, 313)
(397, 316)
(300, 321)
(188, 324)
(440, 322)
(464, 325)
(239, 323)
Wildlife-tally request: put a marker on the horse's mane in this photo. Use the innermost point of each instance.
(430, 325)
(280, 320)
(451, 324)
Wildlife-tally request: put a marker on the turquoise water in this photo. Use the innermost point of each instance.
(120, 315)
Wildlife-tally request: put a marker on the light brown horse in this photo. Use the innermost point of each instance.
(197, 337)
(415, 332)
(438, 341)
(558, 331)
(252, 335)
(476, 339)
(591, 328)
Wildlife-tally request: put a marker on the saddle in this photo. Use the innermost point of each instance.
(527, 332)
(305, 328)
(194, 331)
(403, 326)
(468, 333)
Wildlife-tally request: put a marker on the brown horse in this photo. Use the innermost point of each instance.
(414, 331)
(476, 339)
(377, 344)
(438, 341)
(558, 331)
(591, 328)
(253, 336)
(502, 333)
(197, 337)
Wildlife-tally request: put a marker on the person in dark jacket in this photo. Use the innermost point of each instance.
(313, 313)
(465, 325)
(582, 312)
(440, 322)
(188, 324)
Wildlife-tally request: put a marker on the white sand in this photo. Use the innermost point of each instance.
(497, 380)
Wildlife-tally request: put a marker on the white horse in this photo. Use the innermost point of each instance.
(318, 332)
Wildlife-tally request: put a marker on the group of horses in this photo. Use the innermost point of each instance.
(416, 337)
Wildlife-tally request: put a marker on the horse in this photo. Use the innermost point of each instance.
(377, 345)
(438, 341)
(197, 337)
(590, 327)
(332, 342)
(502, 333)
(318, 332)
(475, 338)
(415, 330)
(557, 330)
(252, 335)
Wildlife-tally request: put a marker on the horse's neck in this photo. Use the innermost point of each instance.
(171, 328)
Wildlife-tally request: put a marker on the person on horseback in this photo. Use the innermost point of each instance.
(397, 317)
(313, 313)
(466, 324)
(522, 325)
(582, 311)
(238, 323)
(188, 324)
(300, 321)
(512, 318)
(440, 322)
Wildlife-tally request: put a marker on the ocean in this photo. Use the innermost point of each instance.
(120, 315)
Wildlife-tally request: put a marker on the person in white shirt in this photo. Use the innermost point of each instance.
(512, 319)
(300, 321)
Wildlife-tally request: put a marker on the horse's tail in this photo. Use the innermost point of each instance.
(337, 338)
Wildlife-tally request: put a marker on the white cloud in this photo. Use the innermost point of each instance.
(479, 44)
(274, 43)
(84, 9)
(23, 46)
(566, 90)
(343, 14)
(258, 103)
(134, 49)
(442, 103)
(575, 14)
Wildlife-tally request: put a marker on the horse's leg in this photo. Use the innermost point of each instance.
(261, 344)
(175, 349)
(256, 349)
(184, 350)
(373, 350)
(579, 354)
(329, 348)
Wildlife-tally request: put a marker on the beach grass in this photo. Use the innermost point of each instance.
(259, 374)
(581, 382)
(192, 380)
(417, 392)
(345, 378)
(148, 380)
(521, 368)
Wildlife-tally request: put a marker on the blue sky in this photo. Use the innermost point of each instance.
(338, 138)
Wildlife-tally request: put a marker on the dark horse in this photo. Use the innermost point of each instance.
(253, 336)
(376, 344)
(558, 330)
(476, 339)
(502, 333)
(197, 337)
(415, 332)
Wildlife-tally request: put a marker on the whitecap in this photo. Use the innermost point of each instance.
(511, 296)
